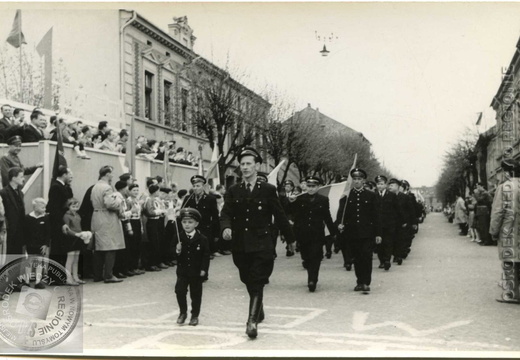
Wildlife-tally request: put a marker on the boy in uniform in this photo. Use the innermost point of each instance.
(193, 263)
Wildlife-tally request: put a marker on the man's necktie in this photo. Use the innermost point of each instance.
(249, 188)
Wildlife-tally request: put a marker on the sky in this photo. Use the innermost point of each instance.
(409, 76)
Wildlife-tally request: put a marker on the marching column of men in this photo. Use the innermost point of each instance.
(377, 217)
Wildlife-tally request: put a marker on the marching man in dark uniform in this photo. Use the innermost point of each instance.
(413, 216)
(361, 224)
(311, 212)
(206, 204)
(404, 221)
(193, 263)
(390, 215)
(245, 219)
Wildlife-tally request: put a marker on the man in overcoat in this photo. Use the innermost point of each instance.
(106, 226)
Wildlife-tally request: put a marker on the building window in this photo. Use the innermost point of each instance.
(148, 95)
(167, 103)
(184, 110)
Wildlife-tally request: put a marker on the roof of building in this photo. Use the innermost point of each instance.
(308, 113)
(164, 38)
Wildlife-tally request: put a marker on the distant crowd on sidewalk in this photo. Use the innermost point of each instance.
(83, 136)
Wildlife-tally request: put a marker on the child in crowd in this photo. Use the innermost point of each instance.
(193, 263)
(75, 238)
(37, 241)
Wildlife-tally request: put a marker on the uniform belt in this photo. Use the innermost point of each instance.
(153, 218)
(100, 209)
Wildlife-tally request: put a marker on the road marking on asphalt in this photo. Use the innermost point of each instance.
(378, 345)
(420, 341)
(360, 318)
(90, 308)
(155, 342)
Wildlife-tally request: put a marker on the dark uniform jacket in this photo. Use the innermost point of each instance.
(407, 209)
(310, 217)
(389, 210)
(249, 216)
(10, 160)
(14, 217)
(207, 206)
(416, 208)
(361, 218)
(194, 255)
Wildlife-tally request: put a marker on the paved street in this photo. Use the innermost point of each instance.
(441, 299)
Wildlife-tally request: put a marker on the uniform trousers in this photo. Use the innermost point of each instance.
(134, 244)
(181, 290)
(401, 241)
(346, 250)
(312, 251)
(386, 248)
(254, 268)
(154, 233)
(329, 241)
(362, 250)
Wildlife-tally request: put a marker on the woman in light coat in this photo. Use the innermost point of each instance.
(461, 216)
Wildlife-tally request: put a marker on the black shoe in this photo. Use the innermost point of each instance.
(328, 254)
(312, 286)
(113, 279)
(358, 287)
(251, 330)
(194, 321)
(181, 319)
(336, 250)
(130, 273)
(399, 261)
(365, 289)
(395, 259)
(121, 276)
(348, 267)
(381, 266)
(387, 265)
(153, 268)
(162, 266)
(512, 301)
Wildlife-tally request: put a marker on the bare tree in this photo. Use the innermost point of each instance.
(32, 78)
(459, 173)
(227, 114)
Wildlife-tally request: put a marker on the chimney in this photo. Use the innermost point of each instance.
(182, 32)
(309, 105)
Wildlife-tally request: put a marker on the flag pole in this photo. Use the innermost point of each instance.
(20, 42)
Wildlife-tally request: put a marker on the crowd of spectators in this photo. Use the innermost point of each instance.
(472, 215)
(83, 136)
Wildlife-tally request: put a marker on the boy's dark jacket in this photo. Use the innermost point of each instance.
(194, 255)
